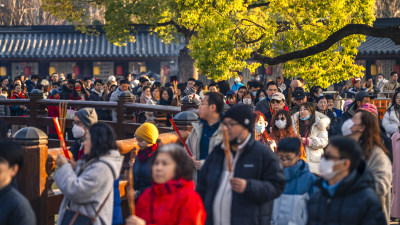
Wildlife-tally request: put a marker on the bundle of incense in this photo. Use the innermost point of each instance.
(131, 190)
(176, 89)
(227, 150)
(62, 112)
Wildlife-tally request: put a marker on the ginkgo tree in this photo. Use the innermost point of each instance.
(313, 39)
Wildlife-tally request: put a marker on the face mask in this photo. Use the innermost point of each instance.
(346, 127)
(258, 79)
(254, 93)
(259, 128)
(247, 101)
(237, 80)
(152, 82)
(234, 142)
(78, 131)
(77, 88)
(281, 124)
(260, 99)
(380, 79)
(307, 117)
(326, 168)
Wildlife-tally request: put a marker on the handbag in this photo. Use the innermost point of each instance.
(72, 217)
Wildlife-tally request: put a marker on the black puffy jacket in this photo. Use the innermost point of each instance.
(265, 182)
(354, 202)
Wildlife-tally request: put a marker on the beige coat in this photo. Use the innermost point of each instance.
(391, 86)
(318, 139)
(193, 141)
(381, 168)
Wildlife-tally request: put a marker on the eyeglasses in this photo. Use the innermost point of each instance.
(276, 101)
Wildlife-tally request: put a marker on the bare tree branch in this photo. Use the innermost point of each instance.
(351, 29)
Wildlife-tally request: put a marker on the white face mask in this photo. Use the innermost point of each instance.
(326, 168)
(281, 124)
(247, 101)
(380, 79)
(346, 127)
(259, 128)
(78, 131)
(237, 80)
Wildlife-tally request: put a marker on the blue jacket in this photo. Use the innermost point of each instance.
(299, 179)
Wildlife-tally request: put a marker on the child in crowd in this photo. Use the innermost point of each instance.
(172, 198)
(291, 206)
(146, 136)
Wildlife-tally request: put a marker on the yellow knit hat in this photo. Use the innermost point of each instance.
(147, 132)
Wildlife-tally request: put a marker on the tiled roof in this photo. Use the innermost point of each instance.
(63, 42)
(378, 46)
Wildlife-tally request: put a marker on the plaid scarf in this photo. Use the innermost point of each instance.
(146, 153)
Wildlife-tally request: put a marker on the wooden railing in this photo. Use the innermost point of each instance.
(125, 110)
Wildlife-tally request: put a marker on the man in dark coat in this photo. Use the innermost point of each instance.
(66, 89)
(97, 94)
(245, 196)
(14, 207)
(346, 193)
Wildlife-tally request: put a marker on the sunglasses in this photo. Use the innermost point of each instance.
(276, 101)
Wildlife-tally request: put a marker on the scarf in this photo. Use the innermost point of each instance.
(146, 153)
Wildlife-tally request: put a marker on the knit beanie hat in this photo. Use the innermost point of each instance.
(242, 114)
(87, 116)
(147, 132)
(369, 108)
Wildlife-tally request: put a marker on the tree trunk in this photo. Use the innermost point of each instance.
(186, 65)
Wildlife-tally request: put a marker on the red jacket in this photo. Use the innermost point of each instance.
(175, 202)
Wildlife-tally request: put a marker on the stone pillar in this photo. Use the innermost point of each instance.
(32, 177)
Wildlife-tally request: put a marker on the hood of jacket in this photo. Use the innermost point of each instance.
(114, 159)
(295, 171)
(95, 92)
(358, 179)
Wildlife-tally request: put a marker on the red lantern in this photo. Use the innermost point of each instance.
(27, 71)
(77, 70)
(397, 68)
(268, 71)
(119, 70)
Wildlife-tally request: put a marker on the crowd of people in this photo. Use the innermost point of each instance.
(261, 153)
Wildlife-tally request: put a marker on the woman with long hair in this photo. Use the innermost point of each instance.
(281, 127)
(311, 126)
(79, 92)
(315, 92)
(391, 119)
(172, 198)
(166, 97)
(88, 183)
(364, 128)
(260, 131)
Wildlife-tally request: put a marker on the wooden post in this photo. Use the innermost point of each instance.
(122, 99)
(34, 107)
(32, 177)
